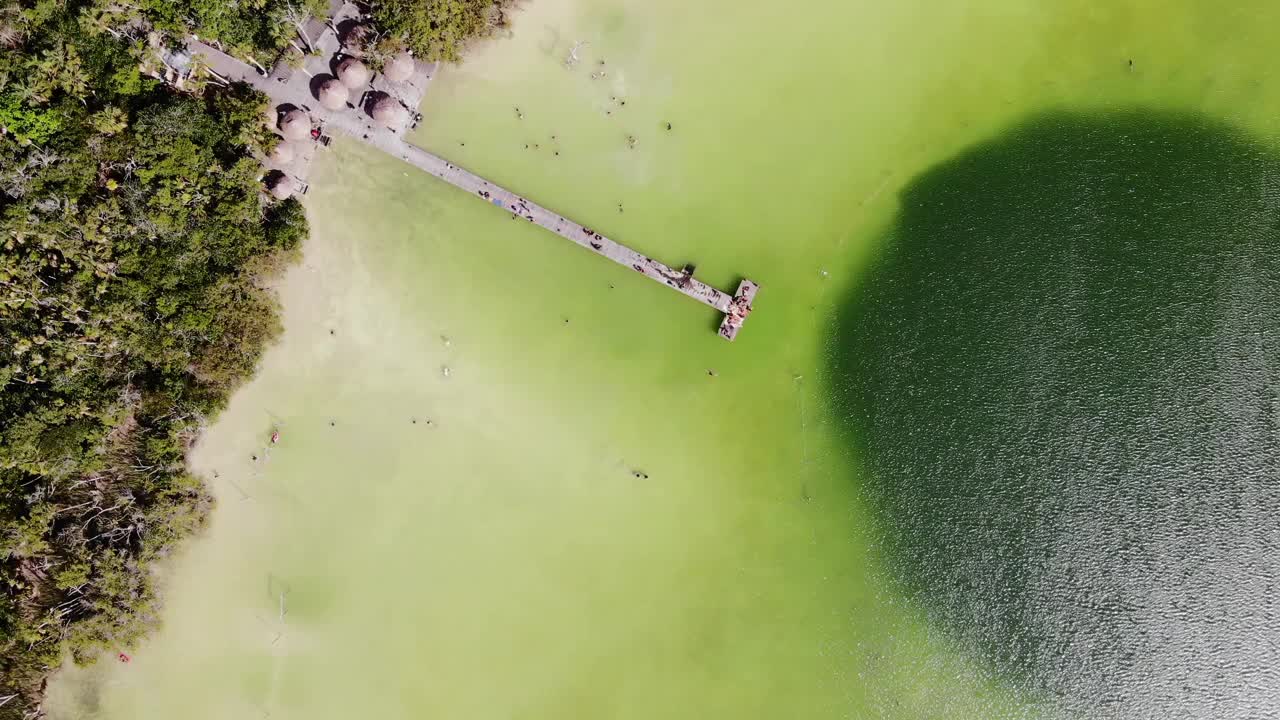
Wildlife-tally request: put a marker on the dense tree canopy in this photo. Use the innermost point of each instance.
(258, 27)
(134, 248)
(438, 29)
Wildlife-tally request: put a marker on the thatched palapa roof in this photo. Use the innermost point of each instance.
(282, 154)
(333, 94)
(295, 125)
(356, 38)
(389, 112)
(282, 187)
(353, 73)
(399, 68)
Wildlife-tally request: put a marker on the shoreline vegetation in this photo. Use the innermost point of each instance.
(137, 251)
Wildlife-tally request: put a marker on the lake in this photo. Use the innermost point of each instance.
(998, 441)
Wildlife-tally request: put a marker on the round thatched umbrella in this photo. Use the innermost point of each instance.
(282, 187)
(399, 68)
(353, 73)
(333, 94)
(295, 125)
(283, 153)
(356, 38)
(389, 112)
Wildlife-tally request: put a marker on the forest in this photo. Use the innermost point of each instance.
(135, 269)
(137, 252)
(438, 29)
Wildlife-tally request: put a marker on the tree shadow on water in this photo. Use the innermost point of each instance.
(1060, 376)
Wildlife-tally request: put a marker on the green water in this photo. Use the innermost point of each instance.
(1069, 434)
(503, 561)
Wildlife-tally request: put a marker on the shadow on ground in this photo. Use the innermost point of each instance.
(1061, 379)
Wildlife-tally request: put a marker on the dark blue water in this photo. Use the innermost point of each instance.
(1061, 378)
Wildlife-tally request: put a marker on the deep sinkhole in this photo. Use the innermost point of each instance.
(1060, 379)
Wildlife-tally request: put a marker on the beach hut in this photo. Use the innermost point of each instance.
(353, 73)
(295, 125)
(399, 68)
(333, 94)
(283, 153)
(389, 112)
(282, 187)
(355, 38)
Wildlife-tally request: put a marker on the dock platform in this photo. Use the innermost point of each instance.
(739, 309)
(289, 89)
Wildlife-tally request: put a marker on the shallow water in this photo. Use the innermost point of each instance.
(502, 561)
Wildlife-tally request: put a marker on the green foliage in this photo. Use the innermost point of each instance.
(27, 124)
(109, 121)
(134, 241)
(439, 29)
(258, 27)
(58, 68)
(24, 536)
(135, 246)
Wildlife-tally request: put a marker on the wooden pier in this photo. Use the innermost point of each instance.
(736, 308)
(290, 89)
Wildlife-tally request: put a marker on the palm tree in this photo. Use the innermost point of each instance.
(59, 68)
(201, 73)
(298, 17)
(28, 92)
(97, 20)
(11, 32)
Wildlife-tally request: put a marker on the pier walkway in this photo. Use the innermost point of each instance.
(294, 89)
